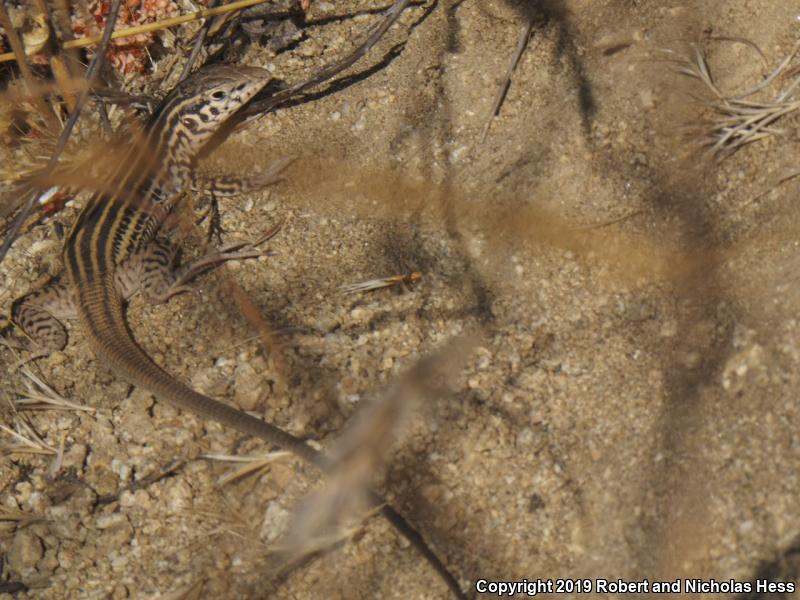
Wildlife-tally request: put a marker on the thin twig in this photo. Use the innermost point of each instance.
(62, 12)
(616, 221)
(58, 66)
(18, 53)
(769, 79)
(522, 43)
(250, 464)
(737, 121)
(11, 518)
(380, 283)
(780, 182)
(744, 41)
(198, 45)
(149, 27)
(39, 395)
(258, 108)
(32, 445)
(94, 68)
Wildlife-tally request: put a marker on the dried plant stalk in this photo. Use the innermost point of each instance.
(332, 513)
(38, 395)
(735, 119)
(150, 27)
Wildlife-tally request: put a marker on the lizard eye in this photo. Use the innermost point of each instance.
(218, 95)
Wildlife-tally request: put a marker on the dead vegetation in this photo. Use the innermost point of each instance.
(740, 118)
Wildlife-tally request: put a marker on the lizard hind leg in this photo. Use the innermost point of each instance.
(38, 315)
(151, 271)
(148, 271)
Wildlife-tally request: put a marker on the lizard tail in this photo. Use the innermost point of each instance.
(101, 311)
(102, 314)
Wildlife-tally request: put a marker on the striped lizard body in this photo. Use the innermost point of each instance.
(114, 248)
(114, 227)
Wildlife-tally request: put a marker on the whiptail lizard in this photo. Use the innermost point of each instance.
(117, 246)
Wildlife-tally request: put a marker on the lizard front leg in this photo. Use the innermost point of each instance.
(214, 188)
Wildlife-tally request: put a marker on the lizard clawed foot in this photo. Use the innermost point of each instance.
(234, 246)
(233, 251)
(215, 229)
(214, 189)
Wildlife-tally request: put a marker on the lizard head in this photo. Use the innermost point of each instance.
(192, 112)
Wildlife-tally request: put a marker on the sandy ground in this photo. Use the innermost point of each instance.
(630, 410)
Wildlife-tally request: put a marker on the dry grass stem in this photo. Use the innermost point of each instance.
(29, 199)
(249, 464)
(736, 121)
(522, 43)
(380, 283)
(29, 442)
(27, 74)
(335, 511)
(778, 183)
(150, 27)
(37, 395)
(229, 522)
(13, 518)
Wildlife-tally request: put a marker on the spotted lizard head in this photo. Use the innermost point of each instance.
(196, 108)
